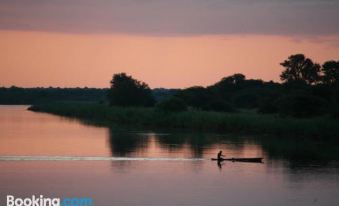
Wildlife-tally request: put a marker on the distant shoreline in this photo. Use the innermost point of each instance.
(322, 128)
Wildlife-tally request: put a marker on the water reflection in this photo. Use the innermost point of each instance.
(52, 135)
(123, 144)
(301, 154)
(292, 168)
(293, 154)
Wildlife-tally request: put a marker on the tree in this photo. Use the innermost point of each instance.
(301, 104)
(300, 68)
(331, 72)
(126, 91)
(234, 79)
(227, 86)
(195, 96)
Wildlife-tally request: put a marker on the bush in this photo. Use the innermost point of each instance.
(334, 110)
(218, 106)
(246, 100)
(301, 105)
(172, 104)
(195, 96)
(268, 104)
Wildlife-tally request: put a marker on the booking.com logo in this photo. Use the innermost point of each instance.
(43, 201)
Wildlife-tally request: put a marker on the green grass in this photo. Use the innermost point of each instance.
(242, 122)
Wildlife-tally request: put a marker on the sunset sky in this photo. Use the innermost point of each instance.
(166, 43)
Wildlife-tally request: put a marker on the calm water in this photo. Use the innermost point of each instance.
(293, 173)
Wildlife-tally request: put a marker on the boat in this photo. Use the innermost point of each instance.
(253, 159)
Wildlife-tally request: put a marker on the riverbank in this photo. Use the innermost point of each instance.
(243, 122)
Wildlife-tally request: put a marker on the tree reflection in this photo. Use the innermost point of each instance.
(124, 143)
(196, 143)
(297, 154)
(171, 142)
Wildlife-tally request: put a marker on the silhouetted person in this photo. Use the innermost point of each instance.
(220, 159)
(220, 155)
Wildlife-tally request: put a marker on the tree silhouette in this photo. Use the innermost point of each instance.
(300, 68)
(126, 91)
(331, 72)
(227, 86)
(234, 79)
(301, 104)
(196, 96)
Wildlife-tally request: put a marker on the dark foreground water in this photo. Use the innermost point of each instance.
(39, 154)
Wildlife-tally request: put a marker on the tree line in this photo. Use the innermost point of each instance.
(18, 95)
(307, 89)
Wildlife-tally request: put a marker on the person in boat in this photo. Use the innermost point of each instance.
(220, 155)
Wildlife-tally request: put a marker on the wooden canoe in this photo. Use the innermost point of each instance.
(253, 159)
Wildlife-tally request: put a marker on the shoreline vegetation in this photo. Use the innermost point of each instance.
(318, 128)
(304, 105)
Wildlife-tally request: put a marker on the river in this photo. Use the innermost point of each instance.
(53, 156)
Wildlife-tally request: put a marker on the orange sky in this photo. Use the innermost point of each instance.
(31, 59)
